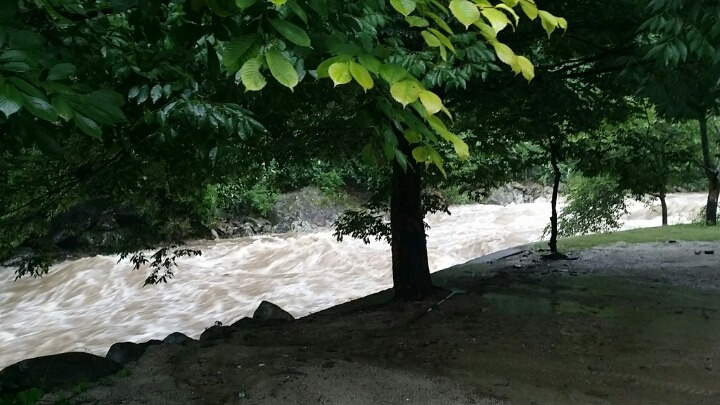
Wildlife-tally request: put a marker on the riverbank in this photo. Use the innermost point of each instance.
(620, 324)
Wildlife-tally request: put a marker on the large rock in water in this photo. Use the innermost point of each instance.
(57, 371)
(267, 311)
(128, 352)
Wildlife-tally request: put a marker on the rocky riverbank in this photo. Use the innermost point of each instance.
(512, 327)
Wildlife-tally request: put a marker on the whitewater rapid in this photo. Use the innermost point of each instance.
(91, 303)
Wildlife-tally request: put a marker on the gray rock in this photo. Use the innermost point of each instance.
(214, 234)
(267, 311)
(57, 371)
(128, 352)
(177, 338)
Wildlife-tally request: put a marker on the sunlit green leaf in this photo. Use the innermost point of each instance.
(340, 73)
(465, 11)
(361, 76)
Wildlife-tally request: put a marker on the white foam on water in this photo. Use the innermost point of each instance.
(91, 303)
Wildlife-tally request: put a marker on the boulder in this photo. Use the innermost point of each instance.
(244, 323)
(54, 372)
(128, 352)
(267, 311)
(177, 338)
(217, 332)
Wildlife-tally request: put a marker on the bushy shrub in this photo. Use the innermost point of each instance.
(594, 205)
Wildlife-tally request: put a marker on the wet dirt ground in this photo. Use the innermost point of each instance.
(624, 324)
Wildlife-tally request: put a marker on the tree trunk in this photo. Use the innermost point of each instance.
(556, 187)
(663, 208)
(411, 273)
(711, 173)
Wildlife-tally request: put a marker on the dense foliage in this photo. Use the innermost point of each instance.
(157, 119)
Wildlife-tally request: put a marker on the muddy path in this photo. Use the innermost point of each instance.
(621, 324)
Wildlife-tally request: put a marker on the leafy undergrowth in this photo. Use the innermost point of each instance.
(685, 232)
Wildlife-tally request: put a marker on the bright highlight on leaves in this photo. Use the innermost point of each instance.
(404, 7)
(431, 101)
(340, 73)
(465, 11)
(361, 76)
(405, 91)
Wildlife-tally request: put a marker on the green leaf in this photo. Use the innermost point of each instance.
(40, 108)
(440, 22)
(550, 22)
(405, 91)
(370, 62)
(156, 93)
(421, 154)
(26, 87)
(362, 76)
(412, 136)
(340, 73)
(88, 126)
(393, 73)
(298, 10)
(61, 71)
(322, 69)
(133, 92)
(281, 68)
(62, 107)
(432, 103)
(13, 56)
(401, 159)
(368, 154)
(509, 10)
(108, 101)
(497, 19)
(250, 75)
(243, 4)
(504, 53)
(278, 2)
(10, 99)
(526, 67)
(404, 7)
(443, 39)
(529, 8)
(18, 67)
(26, 40)
(430, 39)
(143, 94)
(291, 32)
(465, 11)
(235, 50)
(415, 21)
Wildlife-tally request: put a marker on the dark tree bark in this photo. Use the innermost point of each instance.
(554, 151)
(663, 208)
(411, 273)
(711, 173)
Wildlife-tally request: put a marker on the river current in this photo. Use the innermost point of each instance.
(91, 303)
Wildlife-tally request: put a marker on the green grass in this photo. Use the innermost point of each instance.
(690, 232)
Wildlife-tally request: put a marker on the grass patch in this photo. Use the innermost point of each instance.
(685, 232)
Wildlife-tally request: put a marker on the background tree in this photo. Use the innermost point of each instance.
(680, 72)
(575, 88)
(643, 157)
